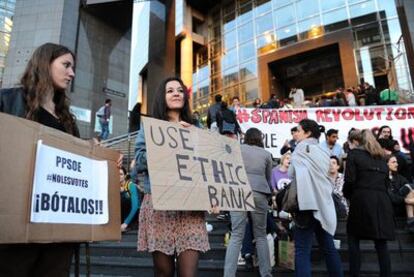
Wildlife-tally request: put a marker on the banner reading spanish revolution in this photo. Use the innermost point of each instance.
(276, 123)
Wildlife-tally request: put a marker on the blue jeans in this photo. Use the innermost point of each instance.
(104, 129)
(303, 247)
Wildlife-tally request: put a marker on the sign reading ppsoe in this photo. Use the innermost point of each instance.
(68, 188)
(193, 169)
(276, 123)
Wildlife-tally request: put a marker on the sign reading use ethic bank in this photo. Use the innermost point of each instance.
(276, 123)
(193, 169)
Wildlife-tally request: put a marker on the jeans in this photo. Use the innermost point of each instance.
(104, 129)
(303, 246)
(238, 223)
(355, 256)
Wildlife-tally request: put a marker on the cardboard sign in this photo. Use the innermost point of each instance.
(18, 143)
(68, 188)
(275, 124)
(193, 169)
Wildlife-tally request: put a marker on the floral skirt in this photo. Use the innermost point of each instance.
(171, 232)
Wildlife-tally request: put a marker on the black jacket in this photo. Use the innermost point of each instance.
(12, 102)
(370, 209)
(398, 200)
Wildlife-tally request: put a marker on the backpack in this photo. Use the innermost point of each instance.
(101, 111)
(227, 127)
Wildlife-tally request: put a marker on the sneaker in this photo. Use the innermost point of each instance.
(241, 261)
(248, 262)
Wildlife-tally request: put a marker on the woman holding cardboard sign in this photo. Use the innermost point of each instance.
(169, 234)
(41, 98)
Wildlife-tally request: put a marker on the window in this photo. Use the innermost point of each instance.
(230, 40)
(245, 32)
(264, 23)
(331, 4)
(285, 16)
(246, 52)
(307, 8)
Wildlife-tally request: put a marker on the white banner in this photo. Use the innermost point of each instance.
(276, 123)
(68, 188)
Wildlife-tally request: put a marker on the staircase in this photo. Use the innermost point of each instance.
(122, 259)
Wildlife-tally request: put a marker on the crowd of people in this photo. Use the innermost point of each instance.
(361, 95)
(315, 179)
(325, 174)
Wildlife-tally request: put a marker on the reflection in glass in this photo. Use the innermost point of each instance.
(335, 20)
(279, 3)
(307, 8)
(286, 32)
(266, 39)
(230, 76)
(309, 24)
(230, 40)
(285, 16)
(249, 90)
(246, 52)
(229, 22)
(248, 71)
(362, 9)
(230, 58)
(264, 23)
(245, 13)
(389, 8)
(245, 32)
(367, 35)
(332, 4)
(263, 6)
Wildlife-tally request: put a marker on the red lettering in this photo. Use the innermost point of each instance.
(256, 118)
(336, 115)
(378, 112)
(410, 112)
(274, 117)
(401, 114)
(327, 112)
(320, 116)
(265, 115)
(358, 116)
(285, 116)
(348, 114)
(389, 117)
(368, 114)
(299, 115)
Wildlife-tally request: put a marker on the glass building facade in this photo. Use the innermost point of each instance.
(240, 31)
(6, 25)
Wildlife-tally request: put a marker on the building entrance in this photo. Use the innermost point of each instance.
(316, 71)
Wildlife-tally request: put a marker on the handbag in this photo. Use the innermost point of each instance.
(290, 198)
(286, 254)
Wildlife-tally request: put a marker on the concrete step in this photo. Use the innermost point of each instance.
(218, 251)
(122, 266)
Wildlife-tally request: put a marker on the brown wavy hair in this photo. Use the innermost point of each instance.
(37, 83)
(368, 141)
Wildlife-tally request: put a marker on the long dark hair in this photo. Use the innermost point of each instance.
(309, 125)
(254, 136)
(160, 108)
(37, 83)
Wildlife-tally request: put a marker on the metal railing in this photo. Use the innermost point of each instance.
(124, 144)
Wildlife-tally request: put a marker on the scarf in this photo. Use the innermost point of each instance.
(310, 168)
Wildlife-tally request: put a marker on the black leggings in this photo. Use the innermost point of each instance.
(355, 256)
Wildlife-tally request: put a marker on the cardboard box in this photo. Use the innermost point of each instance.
(18, 140)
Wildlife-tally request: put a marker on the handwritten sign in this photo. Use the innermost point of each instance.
(193, 169)
(68, 188)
